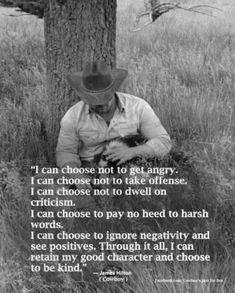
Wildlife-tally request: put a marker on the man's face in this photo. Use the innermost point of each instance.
(105, 108)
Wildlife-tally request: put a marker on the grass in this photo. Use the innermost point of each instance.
(183, 65)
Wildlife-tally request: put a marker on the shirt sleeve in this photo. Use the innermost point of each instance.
(151, 127)
(68, 142)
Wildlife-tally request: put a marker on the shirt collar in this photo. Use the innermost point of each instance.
(120, 105)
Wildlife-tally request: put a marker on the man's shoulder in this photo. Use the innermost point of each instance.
(77, 106)
(131, 99)
(76, 109)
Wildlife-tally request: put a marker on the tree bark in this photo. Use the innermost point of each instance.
(76, 31)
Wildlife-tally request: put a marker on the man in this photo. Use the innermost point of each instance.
(103, 114)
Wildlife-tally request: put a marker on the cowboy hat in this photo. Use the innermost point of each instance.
(97, 83)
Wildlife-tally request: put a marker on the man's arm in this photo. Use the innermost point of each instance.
(67, 148)
(159, 143)
(68, 142)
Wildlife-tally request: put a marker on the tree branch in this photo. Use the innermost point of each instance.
(158, 10)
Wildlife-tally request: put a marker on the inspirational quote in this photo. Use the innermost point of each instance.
(56, 197)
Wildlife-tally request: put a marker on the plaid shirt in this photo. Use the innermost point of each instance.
(83, 133)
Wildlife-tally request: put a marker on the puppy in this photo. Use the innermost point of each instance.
(129, 141)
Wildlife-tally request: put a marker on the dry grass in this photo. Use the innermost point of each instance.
(184, 66)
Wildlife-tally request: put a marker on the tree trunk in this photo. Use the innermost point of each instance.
(76, 31)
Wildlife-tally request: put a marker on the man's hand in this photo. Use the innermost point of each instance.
(120, 154)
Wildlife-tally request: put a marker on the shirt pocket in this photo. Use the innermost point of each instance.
(89, 137)
(126, 128)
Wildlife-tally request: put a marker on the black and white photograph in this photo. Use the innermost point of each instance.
(117, 146)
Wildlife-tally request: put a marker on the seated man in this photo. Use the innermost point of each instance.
(104, 114)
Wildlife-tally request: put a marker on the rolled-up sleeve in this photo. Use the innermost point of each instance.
(150, 126)
(68, 142)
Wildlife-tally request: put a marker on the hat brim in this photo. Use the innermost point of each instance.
(97, 97)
